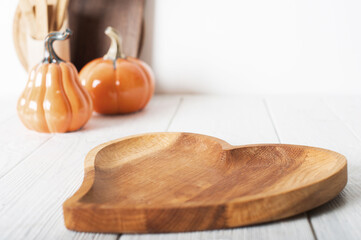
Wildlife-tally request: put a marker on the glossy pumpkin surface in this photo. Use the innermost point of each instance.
(117, 84)
(124, 89)
(53, 99)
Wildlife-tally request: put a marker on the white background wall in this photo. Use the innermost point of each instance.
(233, 46)
(13, 77)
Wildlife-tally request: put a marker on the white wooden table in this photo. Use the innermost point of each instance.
(39, 171)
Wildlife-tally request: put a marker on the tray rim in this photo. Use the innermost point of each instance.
(89, 177)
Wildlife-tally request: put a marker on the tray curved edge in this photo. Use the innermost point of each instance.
(80, 217)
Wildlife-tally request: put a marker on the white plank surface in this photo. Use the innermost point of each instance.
(39, 171)
(238, 120)
(334, 125)
(33, 192)
(8, 107)
(15, 142)
(348, 109)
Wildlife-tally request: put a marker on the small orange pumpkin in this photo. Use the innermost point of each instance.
(53, 99)
(117, 84)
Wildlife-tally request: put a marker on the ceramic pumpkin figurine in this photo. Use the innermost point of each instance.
(53, 99)
(116, 83)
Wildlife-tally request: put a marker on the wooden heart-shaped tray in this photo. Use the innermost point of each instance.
(174, 182)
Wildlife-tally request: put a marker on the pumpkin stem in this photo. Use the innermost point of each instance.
(116, 49)
(49, 53)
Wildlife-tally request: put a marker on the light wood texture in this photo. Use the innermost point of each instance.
(231, 124)
(332, 122)
(31, 210)
(60, 161)
(89, 18)
(27, 12)
(35, 49)
(52, 16)
(60, 12)
(14, 135)
(20, 37)
(41, 19)
(175, 182)
(29, 48)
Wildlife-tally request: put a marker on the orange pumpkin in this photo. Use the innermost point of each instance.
(53, 99)
(117, 84)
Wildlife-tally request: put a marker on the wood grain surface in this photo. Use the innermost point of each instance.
(328, 122)
(30, 50)
(174, 182)
(88, 20)
(30, 209)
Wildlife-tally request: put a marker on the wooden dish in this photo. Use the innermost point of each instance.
(175, 182)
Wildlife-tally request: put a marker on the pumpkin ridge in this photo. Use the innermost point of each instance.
(57, 126)
(147, 86)
(43, 90)
(76, 99)
(149, 76)
(53, 99)
(126, 88)
(23, 101)
(66, 98)
(84, 92)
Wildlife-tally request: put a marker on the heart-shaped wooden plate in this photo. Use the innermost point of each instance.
(174, 182)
